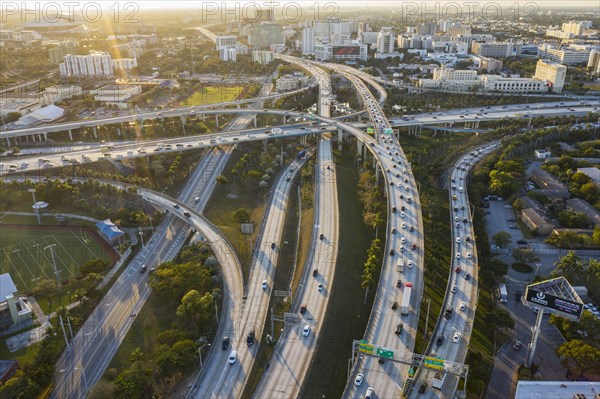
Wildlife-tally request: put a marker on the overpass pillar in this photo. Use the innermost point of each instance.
(8, 143)
(182, 118)
(119, 131)
(376, 171)
(273, 103)
(238, 106)
(39, 137)
(420, 130)
(217, 120)
(45, 136)
(70, 135)
(254, 120)
(340, 138)
(33, 137)
(94, 130)
(265, 145)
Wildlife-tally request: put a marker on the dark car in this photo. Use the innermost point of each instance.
(467, 277)
(423, 387)
(272, 245)
(448, 313)
(143, 269)
(439, 340)
(187, 214)
(395, 305)
(315, 273)
(321, 236)
(225, 342)
(394, 209)
(399, 328)
(391, 252)
(250, 338)
(399, 283)
(518, 296)
(380, 360)
(303, 308)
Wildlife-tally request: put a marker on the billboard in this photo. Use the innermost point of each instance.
(560, 306)
(346, 50)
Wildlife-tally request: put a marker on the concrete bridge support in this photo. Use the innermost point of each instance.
(71, 134)
(217, 120)
(94, 130)
(254, 120)
(119, 131)
(340, 139)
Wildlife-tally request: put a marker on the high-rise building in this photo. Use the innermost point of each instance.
(551, 72)
(265, 34)
(225, 41)
(565, 56)
(594, 62)
(263, 57)
(427, 28)
(57, 54)
(228, 54)
(95, 65)
(386, 40)
(308, 41)
(573, 27)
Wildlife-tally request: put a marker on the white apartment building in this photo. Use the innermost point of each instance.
(576, 28)
(559, 34)
(444, 73)
(95, 65)
(263, 57)
(496, 83)
(594, 61)
(565, 56)
(496, 49)
(228, 53)
(308, 41)
(225, 41)
(553, 72)
(125, 64)
(368, 37)
(348, 52)
(385, 40)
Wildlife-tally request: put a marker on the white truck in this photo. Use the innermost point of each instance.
(276, 130)
(405, 305)
(503, 293)
(438, 380)
(400, 265)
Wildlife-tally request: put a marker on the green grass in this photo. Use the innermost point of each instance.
(522, 267)
(24, 257)
(213, 94)
(45, 220)
(227, 198)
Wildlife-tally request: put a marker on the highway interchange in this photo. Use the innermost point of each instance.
(245, 308)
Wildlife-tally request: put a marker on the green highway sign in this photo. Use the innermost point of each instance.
(388, 131)
(385, 353)
(433, 363)
(365, 347)
(370, 130)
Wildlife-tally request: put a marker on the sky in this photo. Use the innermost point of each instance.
(175, 4)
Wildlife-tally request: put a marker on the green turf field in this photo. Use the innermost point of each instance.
(213, 94)
(26, 253)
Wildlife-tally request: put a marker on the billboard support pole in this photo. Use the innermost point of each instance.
(534, 338)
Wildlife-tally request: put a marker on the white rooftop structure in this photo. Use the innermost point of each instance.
(46, 114)
(556, 389)
(7, 287)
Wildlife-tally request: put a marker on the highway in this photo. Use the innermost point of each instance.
(90, 352)
(83, 364)
(295, 348)
(224, 380)
(404, 246)
(452, 333)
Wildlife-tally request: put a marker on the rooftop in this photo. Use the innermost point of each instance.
(7, 287)
(556, 389)
(592, 173)
(580, 205)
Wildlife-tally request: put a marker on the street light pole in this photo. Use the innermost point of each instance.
(32, 191)
(141, 233)
(200, 353)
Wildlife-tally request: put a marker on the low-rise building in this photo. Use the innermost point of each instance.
(554, 197)
(547, 181)
(110, 232)
(47, 114)
(578, 205)
(8, 368)
(22, 106)
(58, 93)
(542, 154)
(536, 221)
(592, 173)
(116, 95)
(13, 308)
(497, 83)
(287, 83)
(342, 52)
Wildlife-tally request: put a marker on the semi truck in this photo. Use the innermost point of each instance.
(405, 305)
(438, 380)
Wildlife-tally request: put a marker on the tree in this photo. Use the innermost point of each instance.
(596, 235)
(502, 239)
(579, 356)
(500, 318)
(172, 281)
(97, 265)
(46, 289)
(525, 255)
(570, 264)
(103, 389)
(222, 179)
(242, 215)
(196, 309)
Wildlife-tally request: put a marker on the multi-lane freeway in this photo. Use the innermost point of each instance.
(453, 329)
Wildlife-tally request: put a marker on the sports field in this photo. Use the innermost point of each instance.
(213, 94)
(29, 253)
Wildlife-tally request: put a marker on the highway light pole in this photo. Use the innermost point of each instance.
(200, 353)
(141, 233)
(32, 191)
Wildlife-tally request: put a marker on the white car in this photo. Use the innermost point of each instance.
(232, 357)
(454, 289)
(370, 393)
(306, 330)
(264, 284)
(469, 255)
(403, 240)
(402, 214)
(410, 264)
(458, 240)
(359, 379)
(456, 337)
(463, 306)
(403, 225)
(320, 287)
(457, 256)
